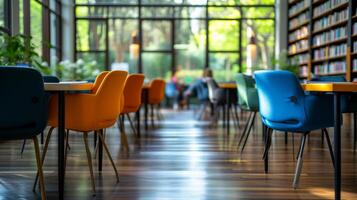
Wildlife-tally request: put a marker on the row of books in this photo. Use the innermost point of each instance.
(299, 33)
(301, 58)
(299, 6)
(354, 64)
(354, 50)
(327, 6)
(331, 19)
(297, 21)
(330, 51)
(330, 68)
(329, 36)
(354, 28)
(304, 71)
(298, 46)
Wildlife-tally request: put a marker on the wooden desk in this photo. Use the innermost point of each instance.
(61, 89)
(336, 89)
(228, 85)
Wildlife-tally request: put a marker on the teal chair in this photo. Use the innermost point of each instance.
(248, 101)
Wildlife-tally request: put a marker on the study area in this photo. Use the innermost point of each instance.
(178, 99)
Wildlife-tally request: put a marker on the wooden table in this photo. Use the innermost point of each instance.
(336, 89)
(228, 87)
(60, 89)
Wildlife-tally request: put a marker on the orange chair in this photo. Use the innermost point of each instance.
(156, 96)
(132, 102)
(92, 112)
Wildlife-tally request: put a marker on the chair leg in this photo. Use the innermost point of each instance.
(236, 115)
(123, 138)
(329, 146)
(299, 162)
(131, 124)
(47, 141)
(286, 137)
(23, 147)
(245, 129)
(322, 137)
(89, 159)
(268, 133)
(152, 116)
(42, 137)
(108, 153)
(248, 132)
(67, 143)
(39, 167)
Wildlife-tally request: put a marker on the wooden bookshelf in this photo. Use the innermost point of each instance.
(330, 45)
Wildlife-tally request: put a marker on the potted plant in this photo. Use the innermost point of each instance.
(18, 50)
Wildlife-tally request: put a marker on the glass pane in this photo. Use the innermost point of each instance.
(221, 12)
(264, 34)
(157, 12)
(224, 65)
(190, 12)
(123, 12)
(190, 45)
(36, 25)
(251, 12)
(91, 11)
(223, 35)
(156, 35)
(53, 36)
(90, 35)
(120, 33)
(157, 65)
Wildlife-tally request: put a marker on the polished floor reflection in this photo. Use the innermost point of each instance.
(185, 159)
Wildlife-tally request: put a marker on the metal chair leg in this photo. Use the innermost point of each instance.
(39, 167)
(268, 133)
(47, 141)
(329, 146)
(286, 137)
(248, 132)
(299, 162)
(89, 159)
(245, 129)
(108, 153)
(23, 147)
(131, 124)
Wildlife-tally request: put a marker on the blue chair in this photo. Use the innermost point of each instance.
(284, 106)
(46, 79)
(348, 102)
(24, 109)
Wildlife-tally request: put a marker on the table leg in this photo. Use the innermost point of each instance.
(100, 152)
(138, 122)
(61, 133)
(228, 109)
(337, 145)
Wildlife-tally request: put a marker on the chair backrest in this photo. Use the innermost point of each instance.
(50, 79)
(132, 91)
(109, 95)
(212, 87)
(247, 93)
(98, 80)
(23, 103)
(156, 91)
(281, 98)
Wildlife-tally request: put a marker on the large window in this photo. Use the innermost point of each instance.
(181, 37)
(41, 19)
(5, 16)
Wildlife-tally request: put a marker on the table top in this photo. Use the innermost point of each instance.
(330, 87)
(68, 86)
(228, 85)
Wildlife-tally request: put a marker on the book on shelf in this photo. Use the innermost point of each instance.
(331, 19)
(330, 51)
(327, 5)
(330, 68)
(329, 36)
(300, 19)
(303, 71)
(299, 33)
(298, 7)
(354, 64)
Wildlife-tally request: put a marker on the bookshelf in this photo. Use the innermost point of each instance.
(322, 37)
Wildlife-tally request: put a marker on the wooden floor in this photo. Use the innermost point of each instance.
(184, 159)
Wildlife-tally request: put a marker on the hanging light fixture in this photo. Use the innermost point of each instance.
(134, 46)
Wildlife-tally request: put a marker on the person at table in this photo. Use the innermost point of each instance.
(200, 88)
